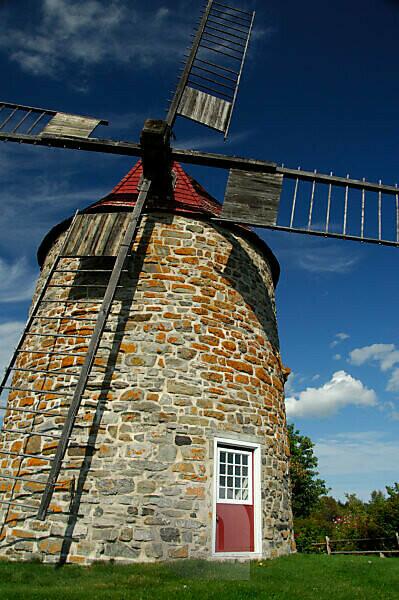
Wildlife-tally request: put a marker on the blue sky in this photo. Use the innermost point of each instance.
(319, 90)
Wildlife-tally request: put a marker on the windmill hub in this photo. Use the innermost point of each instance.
(156, 157)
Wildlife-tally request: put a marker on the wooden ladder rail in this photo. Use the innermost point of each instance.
(34, 310)
(93, 347)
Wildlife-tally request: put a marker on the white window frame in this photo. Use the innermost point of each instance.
(257, 496)
(242, 452)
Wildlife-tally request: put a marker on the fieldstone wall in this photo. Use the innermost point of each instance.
(190, 352)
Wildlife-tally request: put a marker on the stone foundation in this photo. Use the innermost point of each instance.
(190, 353)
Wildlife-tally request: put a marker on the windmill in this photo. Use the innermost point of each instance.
(259, 193)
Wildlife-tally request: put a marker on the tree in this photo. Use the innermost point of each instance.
(385, 510)
(307, 487)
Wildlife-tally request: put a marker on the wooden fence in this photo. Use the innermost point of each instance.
(330, 545)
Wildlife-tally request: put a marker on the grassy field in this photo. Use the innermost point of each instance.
(299, 577)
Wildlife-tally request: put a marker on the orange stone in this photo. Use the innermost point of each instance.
(183, 468)
(263, 376)
(229, 346)
(240, 365)
(210, 359)
(20, 533)
(185, 251)
(50, 546)
(214, 414)
(179, 552)
(68, 361)
(212, 376)
(198, 492)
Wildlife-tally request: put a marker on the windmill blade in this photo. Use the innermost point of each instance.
(314, 204)
(208, 88)
(44, 127)
(28, 120)
(263, 194)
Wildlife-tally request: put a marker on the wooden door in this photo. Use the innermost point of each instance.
(235, 500)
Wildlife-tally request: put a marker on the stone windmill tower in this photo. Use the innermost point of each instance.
(179, 446)
(145, 415)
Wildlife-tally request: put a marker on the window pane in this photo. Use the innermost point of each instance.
(234, 483)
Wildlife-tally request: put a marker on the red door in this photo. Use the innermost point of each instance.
(234, 501)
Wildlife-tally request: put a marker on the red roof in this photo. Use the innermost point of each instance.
(188, 197)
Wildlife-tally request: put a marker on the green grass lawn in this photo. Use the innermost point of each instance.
(299, 577)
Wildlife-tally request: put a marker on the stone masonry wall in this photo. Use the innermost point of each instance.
(190, 352)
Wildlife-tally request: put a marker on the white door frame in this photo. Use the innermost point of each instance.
(256, 449)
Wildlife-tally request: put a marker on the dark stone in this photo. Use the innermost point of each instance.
(170, 534)
(120, 550)
(183, 440)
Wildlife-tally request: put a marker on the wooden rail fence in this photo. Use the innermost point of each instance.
(329, 543)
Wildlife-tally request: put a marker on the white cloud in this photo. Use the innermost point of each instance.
(337, 357)
(393, 383)
(212, 141)
(342, 390)
(328, 260)
(43, 187)
(385, 355)
(17, 280)
(357, 461)
(338, 338)
(9, 335)
(307, 253)
(89, 33)
(289, 384)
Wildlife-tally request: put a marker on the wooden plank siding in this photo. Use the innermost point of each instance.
(71, 125)
(252, 197)
(97, 234)
(204, 108)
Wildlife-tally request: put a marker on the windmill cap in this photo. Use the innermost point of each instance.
(189, 199)
(188, 195)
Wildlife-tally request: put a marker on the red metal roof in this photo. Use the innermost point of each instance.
(188, 197)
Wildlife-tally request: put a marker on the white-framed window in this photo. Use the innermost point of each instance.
(234, 476)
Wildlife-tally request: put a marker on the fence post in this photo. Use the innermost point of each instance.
(328, 547)
(397, 537)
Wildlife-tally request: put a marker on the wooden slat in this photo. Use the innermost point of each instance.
(97, 234)
(71, 125)
(205, 108)
(252, 197)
